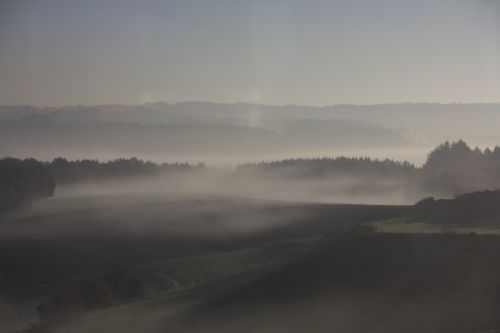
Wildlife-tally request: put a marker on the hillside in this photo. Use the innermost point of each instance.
(479, 208)
(166, 244)
(370, 281)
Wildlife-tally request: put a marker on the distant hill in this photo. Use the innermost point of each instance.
(196, 129)
(87, 133)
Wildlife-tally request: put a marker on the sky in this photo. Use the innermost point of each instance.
(309, 52)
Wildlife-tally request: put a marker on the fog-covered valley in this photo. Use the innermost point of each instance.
(130, 246)
(92, 239)
(288, 166)
(168, 243)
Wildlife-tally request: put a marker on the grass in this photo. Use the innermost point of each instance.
(410, 225)
(182, 249)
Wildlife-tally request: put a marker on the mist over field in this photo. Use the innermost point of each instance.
(128, 244)
(249, 166)
(211, 217)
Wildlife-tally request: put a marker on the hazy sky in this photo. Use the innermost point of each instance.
(317, 52)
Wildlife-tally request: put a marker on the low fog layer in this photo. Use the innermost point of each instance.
(451, 169)
(64, 252)
(127, 245)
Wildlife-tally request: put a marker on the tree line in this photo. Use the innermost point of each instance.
(450, 169)
(456, 168)
(330, 167)
(64, 171)
(27, 180)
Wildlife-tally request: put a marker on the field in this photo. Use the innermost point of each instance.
(218, 264)
(409, 225)
(183, 250)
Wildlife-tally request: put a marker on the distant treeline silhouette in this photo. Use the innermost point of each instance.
(331, 167)
(22, 181)
(450, 169)
(64, 171)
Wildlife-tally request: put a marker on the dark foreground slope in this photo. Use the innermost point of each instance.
(370, 282)
(212, 264)
(62, 250)
(478, 208)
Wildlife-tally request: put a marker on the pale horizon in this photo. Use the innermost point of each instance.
(318, 106)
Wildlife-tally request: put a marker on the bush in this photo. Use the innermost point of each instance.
(96, 294)
(60, 308)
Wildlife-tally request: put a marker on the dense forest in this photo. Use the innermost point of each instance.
(66, 172)
(22, 181)
(456, 168)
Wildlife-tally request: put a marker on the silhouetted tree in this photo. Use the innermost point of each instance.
(60, 308)
(455, 168)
